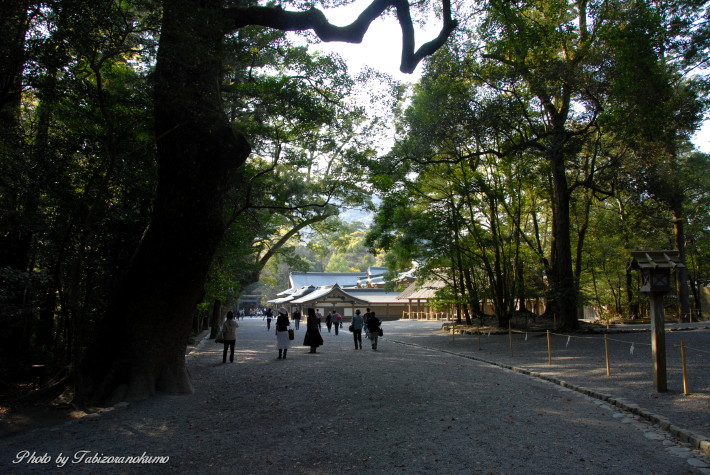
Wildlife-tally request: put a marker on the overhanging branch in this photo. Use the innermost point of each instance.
(314, 19)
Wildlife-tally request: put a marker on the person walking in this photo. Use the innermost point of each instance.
(282, 324)
(296, 319)
(336, 322)
(373, 326)
(329, 321)
(269, 316)
(313, 337)
(366, 317)
(357, 324)
(319, 316)
(229, 335)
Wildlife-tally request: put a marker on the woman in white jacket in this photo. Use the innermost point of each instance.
(229, 335)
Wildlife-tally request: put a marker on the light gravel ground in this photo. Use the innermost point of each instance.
(580, 360)
(417, 406)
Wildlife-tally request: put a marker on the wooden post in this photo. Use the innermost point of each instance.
(549, 348)
(37, 374)
(655, 268)
(686, 391)
(606, 351)
(658, 343)
(510, 337)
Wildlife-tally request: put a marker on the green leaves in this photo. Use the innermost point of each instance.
(519, 133)
(307, 145)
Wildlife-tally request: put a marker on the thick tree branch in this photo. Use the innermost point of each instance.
(292, 232)
(314, 19)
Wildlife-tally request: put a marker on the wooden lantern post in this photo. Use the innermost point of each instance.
(655, 268)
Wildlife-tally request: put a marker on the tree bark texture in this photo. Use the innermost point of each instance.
(15, 243)
(682, 274)
(563, 281)
(13, 27)
(215, 318)
(141, 348)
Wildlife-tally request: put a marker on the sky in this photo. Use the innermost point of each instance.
(381, 47)
(702, 138)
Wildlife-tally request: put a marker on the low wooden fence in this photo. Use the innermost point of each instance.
(427, 316)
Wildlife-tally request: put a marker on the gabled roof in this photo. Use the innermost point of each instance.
(375, 295)
(422, 291)
(292, 294)
(369, 282)
(655, 260)
(373, 279)
(333, 294)
(343, 279)
(320, 279)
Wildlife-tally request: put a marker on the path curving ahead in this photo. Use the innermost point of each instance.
(402, 409)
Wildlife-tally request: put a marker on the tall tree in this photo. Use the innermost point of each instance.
(542, 80)
(199, 156)
(15, 227)
(649, 80)
(541, 50)
(77, 183)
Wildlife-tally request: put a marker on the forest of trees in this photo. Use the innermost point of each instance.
(545, 142)
(155, 155)
(160, 157)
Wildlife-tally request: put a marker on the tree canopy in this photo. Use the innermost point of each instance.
(157, 157)
(529, 130)
(137, 137)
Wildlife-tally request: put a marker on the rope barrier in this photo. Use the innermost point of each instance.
(679, 345)
(606, 341)
(631, 342)
(570, 337)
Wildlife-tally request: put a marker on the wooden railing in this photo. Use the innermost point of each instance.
(426, 316)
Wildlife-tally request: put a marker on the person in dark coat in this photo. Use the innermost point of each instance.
(329, 321)
(282, 341)
(269, 316)
(313, 337)
(373, 325)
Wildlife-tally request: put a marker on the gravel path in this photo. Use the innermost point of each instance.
(579, 360)
(411, 407)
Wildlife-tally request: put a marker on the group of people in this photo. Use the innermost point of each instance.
(269, 315)
(334, 320)
(370, 324)
(313, 339)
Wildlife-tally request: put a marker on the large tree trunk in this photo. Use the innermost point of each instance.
(563, 282)
(142, 346)
(17, 218)
(582, 228)
(15, 239)
(474, 304)
(633, 304)
(13, 27)
(682, 275)
(215, 318)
